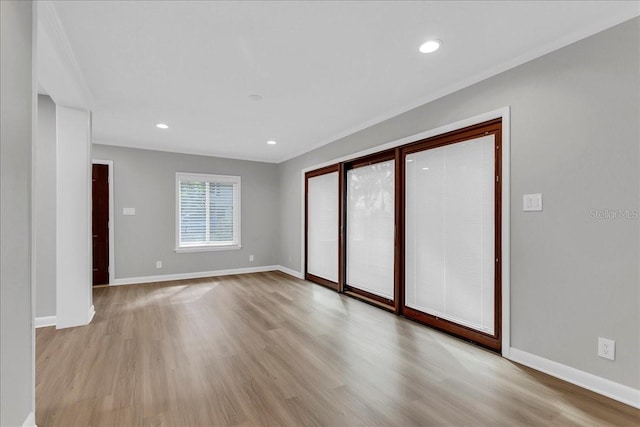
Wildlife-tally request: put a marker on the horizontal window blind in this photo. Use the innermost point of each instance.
(220, 212)
(371, 228)
(323, 216)
(208, 210)
(449, 236)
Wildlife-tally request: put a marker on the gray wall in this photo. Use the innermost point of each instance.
(145, 180)
(45, 208)
(574, 138)
(16, 324)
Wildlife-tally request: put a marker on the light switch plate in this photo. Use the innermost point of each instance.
(532, 202)
(128, 211)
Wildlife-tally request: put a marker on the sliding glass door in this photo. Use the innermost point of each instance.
(415, 230)
(451, 247)
(370, 229)
(322, 226)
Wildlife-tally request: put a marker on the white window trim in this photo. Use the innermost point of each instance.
(236, 180)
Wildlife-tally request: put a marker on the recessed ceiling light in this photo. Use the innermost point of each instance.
(271, 142)
(430, 46)
(425, 169)
(255, 97)
(162, 126)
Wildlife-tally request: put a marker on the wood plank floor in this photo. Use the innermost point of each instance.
(268, 349)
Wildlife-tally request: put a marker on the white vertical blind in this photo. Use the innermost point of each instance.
(322, 226)
(370, 228)
(449, 242)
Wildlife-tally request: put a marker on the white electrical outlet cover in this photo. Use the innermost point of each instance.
(606, 348)
(128, 211)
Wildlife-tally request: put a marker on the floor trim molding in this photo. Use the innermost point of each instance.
(45, 321)
(30, 421)
(290, 272)
(91, 313)
(616, 391)
(195, 275)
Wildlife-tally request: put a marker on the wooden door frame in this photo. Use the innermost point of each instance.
(491, 127)
(112, 261)
(503, 113)
(384, 303)
(336, 286)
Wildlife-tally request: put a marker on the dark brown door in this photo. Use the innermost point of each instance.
(100, 224)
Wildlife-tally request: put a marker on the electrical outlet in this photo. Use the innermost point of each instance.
(606, 348)
(251, 258)
(158, 264)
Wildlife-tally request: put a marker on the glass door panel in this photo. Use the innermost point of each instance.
(370, 228)
(323, 216)
(450, 233)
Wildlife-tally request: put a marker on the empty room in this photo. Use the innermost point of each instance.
(320, 213)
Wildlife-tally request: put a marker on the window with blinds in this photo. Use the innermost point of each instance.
(208, 212)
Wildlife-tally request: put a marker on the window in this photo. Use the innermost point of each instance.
(208, 212)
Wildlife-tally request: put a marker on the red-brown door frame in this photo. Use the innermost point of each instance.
(368, 297)
(493, 127)
(308, 276)
(398, 305)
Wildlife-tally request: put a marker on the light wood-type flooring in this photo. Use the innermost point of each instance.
(269, 349)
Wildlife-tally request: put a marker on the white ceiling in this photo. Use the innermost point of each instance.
(324, 69)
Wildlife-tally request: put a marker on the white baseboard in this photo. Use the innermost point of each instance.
(43, 322)
(290, 272)
(196, 275)
(203, 274)
(91, 313)
(616, 391)
(31, 418)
